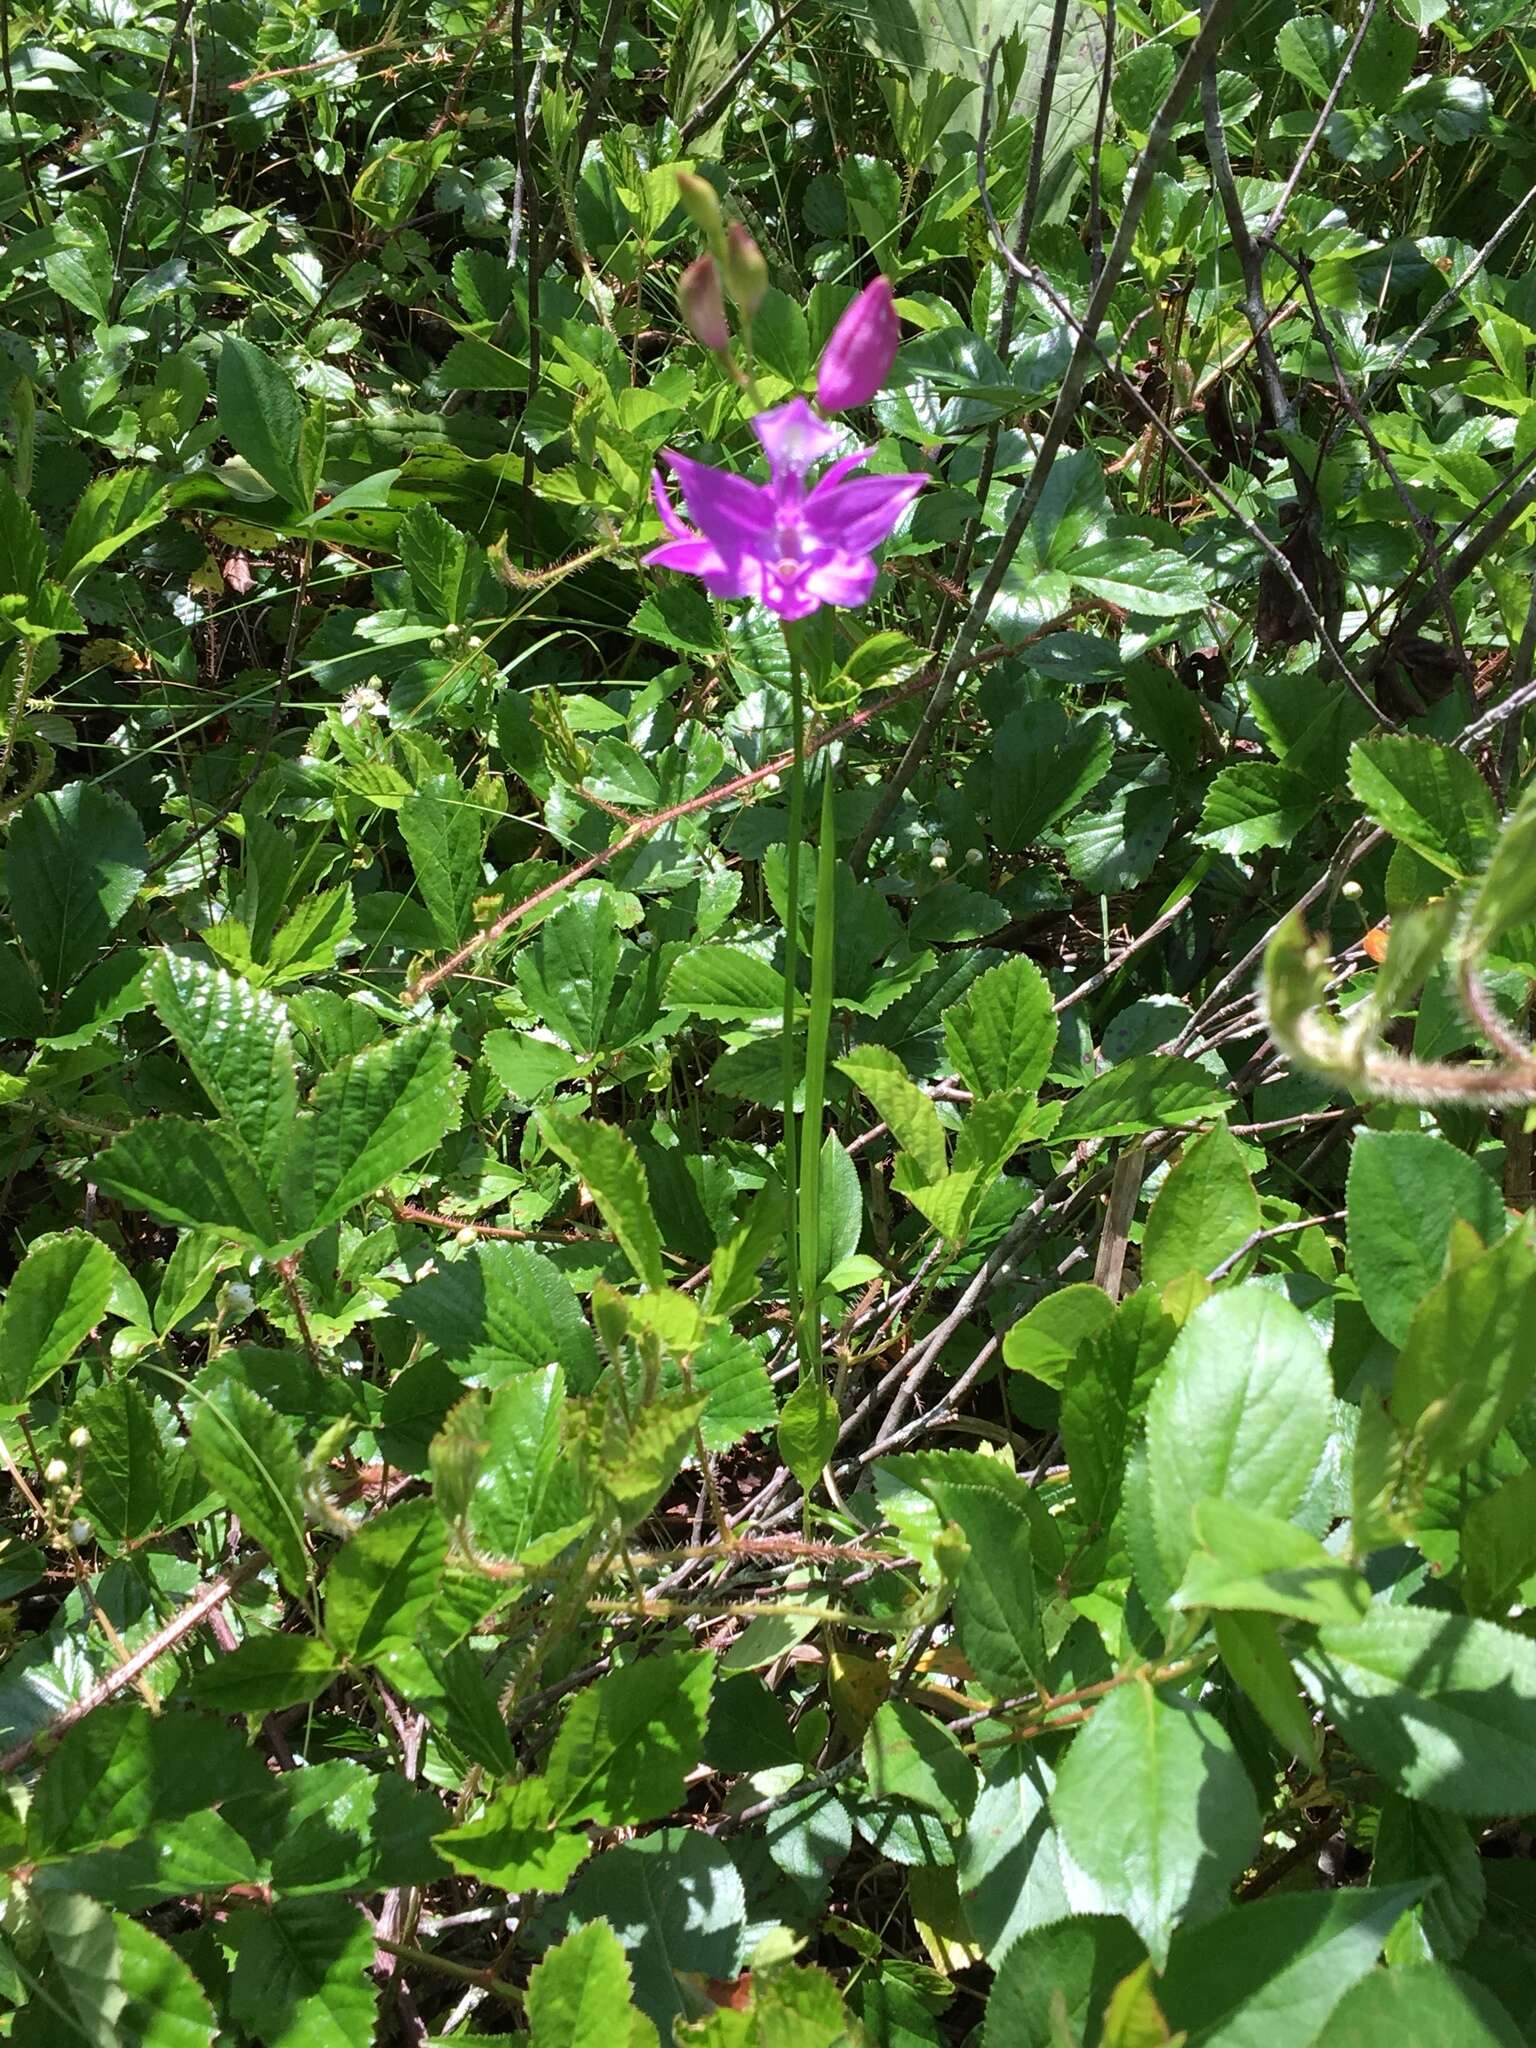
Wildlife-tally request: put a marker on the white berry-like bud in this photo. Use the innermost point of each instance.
(465, 1236)
(79, 1439)
(80, 1531)
(939, 863)
(437, 645)
(475, 643)
(974, 856)
(770, 782)
(1352, 891)
(56, 1472)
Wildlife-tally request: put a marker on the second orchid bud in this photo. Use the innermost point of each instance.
(746, 270)
(702, 205)
(857, 359)
(702, 304)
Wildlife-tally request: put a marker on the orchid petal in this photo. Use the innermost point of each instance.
(727, 509)
(841, 579)
(666, 511)
(793, 439)
(857, 514)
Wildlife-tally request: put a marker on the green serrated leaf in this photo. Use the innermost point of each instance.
(1428, 796)
(237, 1041)
(246, 1452)
(611, 1168)
(1002, 1032)
(73, 864)
(627, 1743)
(1148, 1092)
(58, 1296)
(372, 1117)
(381, 1583)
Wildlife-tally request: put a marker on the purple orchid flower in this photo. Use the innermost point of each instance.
(792, 546)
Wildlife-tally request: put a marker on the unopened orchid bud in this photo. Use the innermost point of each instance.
(858, 358)
(746, 269)
(701, 204)
(702, 304)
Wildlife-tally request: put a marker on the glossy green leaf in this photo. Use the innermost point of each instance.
(1423, 2002)
(1253, 805)
(578, 1996)
(1270, 1974)
(611, 1170)
(911, 1756)
(1065, 1971)
(1002, 1032)
(301, 1976)
(899, 1102)
(808, 1429)
(1241, 1410)
(1255, 1659)
(371, 1117)
(1469, 1358)
(1204, 1211)
(1406, 1189)
(264, 1673)
(1441, 1708)
(726, 982)
(444, 834)
(259, 413)
(192, 1174)
(514, 1842)
(1427, 796)
(1045, 1342)
(1498, 1545)
(1181, 1823)
(382, 1583)
(1248, 1562)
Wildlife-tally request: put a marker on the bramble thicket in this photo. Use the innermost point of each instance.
(767, 935)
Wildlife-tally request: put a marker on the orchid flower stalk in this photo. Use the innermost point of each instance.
(803, 540)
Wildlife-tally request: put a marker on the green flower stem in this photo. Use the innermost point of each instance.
(791, 968)
(818, 1035)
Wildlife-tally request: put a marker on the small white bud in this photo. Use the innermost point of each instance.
(770, 782)
(80, 1531)
(56, 1472)
(1351, 892)
(437, 645)
(79, 1439)
(974, 856)
(939, 863)
(464, 1236)
(475, 643)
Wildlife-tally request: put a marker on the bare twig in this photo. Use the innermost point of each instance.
(196, 1611)
(1278, 211)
